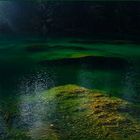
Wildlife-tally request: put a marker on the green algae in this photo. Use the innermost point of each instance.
(90, 114)
(51, 49)
(72, 112)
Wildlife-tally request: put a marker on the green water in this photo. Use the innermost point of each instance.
(22, 72)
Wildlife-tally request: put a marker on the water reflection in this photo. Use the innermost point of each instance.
(36, 82)
(32, 108)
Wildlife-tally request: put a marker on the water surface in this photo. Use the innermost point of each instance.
(32, 65)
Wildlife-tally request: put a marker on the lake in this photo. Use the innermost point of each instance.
(30, 65)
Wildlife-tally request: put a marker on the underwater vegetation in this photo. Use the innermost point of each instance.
(69, 70)
(44, 110)
(88, 114)
(72, 112)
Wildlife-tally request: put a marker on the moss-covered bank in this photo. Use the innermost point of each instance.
(71, 112)
(90, 114)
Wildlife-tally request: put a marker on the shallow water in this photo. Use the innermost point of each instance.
(26, 71)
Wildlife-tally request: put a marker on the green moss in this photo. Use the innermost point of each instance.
(16, 134)
(45, 133)
(90, 114)
(72, 112)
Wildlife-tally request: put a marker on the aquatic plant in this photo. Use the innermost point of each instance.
(91, 114)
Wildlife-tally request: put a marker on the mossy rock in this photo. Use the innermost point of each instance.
(90, 114)
(71, 112)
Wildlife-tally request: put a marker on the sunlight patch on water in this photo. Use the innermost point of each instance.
(35, 83)
(32, 108)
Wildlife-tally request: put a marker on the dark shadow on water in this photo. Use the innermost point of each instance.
(37, 48)
(117, 42)
(93, 62)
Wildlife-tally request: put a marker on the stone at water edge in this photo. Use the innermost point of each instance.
(99, 115)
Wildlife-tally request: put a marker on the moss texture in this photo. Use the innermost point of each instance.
(71, 112)
(91, 114)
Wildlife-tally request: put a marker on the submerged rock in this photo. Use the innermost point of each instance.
(71, 112)
(90, 114)
(96, 62)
